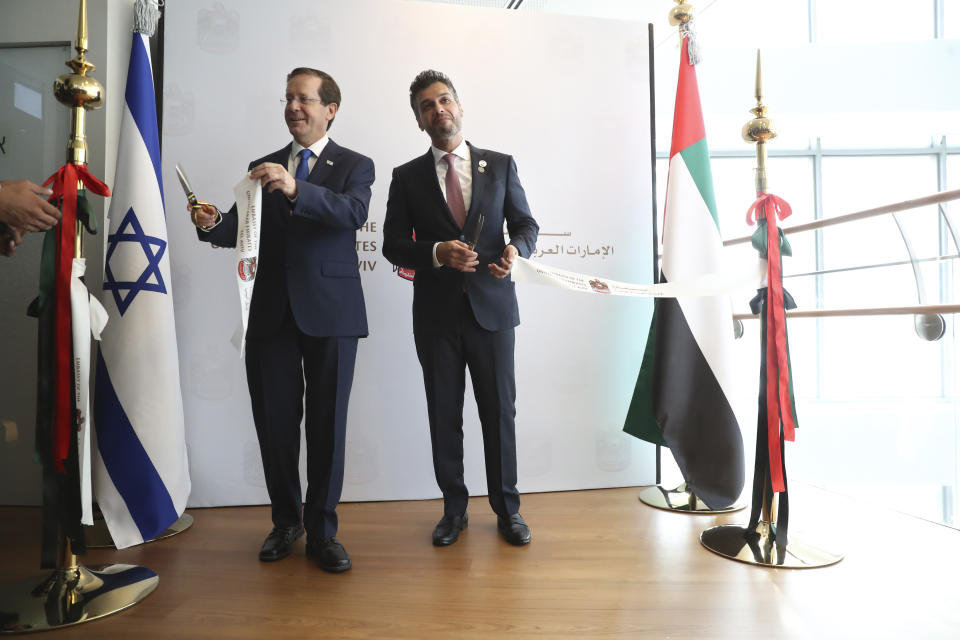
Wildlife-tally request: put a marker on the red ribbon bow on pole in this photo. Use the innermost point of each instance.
(769, 208)
(65, 186)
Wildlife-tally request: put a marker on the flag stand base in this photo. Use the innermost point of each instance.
(681, 499)
(72, 596)
(98, 536)
(758, 546)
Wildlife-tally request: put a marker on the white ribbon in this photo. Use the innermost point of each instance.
(711, 284)
(87, 317)
(248, 195)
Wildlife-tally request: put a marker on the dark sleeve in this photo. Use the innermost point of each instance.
(333, 210)
(225, 233)
(399, 246)
(521, 226)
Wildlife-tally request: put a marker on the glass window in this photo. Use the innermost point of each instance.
(734, 23)
(34, 125)
(851, 367)
(878, 21)
(853, 184)
(862, 130)
(953, 172)
(950, 270)
(951, 19)
(33, 129)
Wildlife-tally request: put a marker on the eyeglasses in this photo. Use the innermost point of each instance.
(301, 100)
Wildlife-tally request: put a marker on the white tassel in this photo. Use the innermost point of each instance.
(693, 46)
(146, 14)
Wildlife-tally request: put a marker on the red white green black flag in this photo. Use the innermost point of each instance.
(681, 399)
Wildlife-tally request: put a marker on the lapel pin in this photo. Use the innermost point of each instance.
(330, 162)
(482, 163)
(480, 170)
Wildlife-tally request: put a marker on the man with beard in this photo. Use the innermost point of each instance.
(306, 314)
(455, 201)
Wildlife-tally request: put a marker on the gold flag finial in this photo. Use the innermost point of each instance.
(82, 29)
(759, 130)
(79, 91)
(758, 91)
(681, 14)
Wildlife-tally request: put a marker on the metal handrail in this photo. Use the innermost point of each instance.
(917, 309)
(876, 265)
(936, 198)
(928, 323)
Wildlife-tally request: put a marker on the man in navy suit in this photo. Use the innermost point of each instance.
(306, 314)
(463, 314)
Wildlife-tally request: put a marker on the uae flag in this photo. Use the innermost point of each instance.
(681, 399)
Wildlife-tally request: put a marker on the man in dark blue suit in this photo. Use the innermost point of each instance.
(455, 201)
(306, 314)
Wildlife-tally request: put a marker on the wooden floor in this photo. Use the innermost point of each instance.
(601, 565)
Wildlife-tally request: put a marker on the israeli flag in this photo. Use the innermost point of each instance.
(140, 474)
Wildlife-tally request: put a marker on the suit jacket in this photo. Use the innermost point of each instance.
(308, 256)
(416, 205)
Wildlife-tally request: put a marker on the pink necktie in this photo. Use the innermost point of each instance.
(454, 193)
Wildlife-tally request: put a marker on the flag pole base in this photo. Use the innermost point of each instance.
(72, 596)
(757, 546)
(98, 536)
(681, 499)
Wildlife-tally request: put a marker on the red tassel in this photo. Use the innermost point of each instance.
(65, 186)
(779, 409)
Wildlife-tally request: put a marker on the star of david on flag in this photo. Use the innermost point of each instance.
(140, 472)
(151, 279)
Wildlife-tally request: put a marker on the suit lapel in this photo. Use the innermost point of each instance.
(279, 208)
(280, 157)
(428, 173)
(479, 176)
(326, 163)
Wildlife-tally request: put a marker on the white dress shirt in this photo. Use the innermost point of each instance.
(316, 148)
(461, 163)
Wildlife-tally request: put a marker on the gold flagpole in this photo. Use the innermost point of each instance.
(73, 593)
(79, 92)
(680, 499)
(758, 545)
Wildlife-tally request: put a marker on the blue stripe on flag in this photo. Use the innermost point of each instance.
(128, 464)
(142, 103)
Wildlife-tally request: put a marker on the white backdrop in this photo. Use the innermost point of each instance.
(567, 96)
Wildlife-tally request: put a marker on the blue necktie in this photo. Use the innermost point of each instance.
(303, 169)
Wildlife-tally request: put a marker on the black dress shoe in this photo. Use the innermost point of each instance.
(278, 543)
(448, 530)
(514, 530)
(329, 555)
